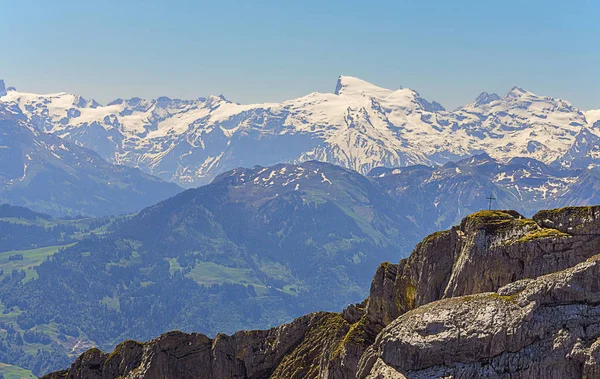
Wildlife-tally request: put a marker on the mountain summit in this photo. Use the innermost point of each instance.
(360, 126)
(348, 85)
(486, 98)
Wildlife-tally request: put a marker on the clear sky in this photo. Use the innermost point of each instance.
(258, 51)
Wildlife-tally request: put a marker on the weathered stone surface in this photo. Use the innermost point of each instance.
(292, 350)
(572, 220)
(383, 371)
(488, 250)
(496, 296)
(381, 306)
(549, 329)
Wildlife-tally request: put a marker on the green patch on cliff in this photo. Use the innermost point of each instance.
(357, 335)
(434, 236)
(497, 221)
(304, 360)
(568, 210)
(405, 300)
(490, 220)
(123, 347)
(542, 233)
(465, 302)
(496, 296)
(485, 215)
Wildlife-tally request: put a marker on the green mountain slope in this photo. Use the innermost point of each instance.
(255, 248)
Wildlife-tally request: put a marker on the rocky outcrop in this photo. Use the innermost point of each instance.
(292, 350)
(488, 250)
(547, 327)
(497, 296)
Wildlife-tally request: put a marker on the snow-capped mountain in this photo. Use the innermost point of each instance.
(49, 174)
(593, 116)
(359, 126)
(521, 124)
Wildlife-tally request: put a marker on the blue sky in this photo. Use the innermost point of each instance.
(256, 51)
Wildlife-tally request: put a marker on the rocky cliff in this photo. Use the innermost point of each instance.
(499, 295)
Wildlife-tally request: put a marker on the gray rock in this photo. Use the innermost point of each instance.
(550, 329)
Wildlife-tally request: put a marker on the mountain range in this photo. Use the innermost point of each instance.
(297, 204)
(359, 126)
(256, 247)
(437, 197)
(51, 175)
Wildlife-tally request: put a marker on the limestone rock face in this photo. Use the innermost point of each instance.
(497, 296)
(572, 220)
(543, 328)
(490, 249)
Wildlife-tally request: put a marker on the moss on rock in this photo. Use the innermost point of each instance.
(541, 234)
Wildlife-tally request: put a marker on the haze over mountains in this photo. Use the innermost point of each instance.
(305, 198)
(443, 195)
(359, 126)
(244, 251)
(254, 248)
(49, 174)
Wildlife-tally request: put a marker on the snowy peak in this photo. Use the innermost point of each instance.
(80, 102)
(584, 152)
(433, 106)
(593, 117)
(348, 85)
(340, 85)
(284, 177)
(486, 98)
(404, 97)
(516, 93)
(477, 160)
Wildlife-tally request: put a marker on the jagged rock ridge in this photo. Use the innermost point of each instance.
(497, 296)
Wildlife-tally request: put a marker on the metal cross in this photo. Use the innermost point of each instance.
(490, 198)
